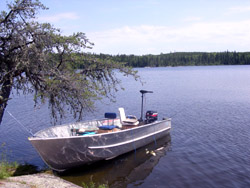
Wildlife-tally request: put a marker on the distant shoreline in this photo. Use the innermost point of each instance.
(180, 59)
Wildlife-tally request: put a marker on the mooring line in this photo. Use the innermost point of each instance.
(29, 131)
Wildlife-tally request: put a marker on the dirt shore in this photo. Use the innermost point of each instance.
(40, 180)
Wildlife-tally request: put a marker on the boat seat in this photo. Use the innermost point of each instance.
(127, 120)
(109, 121)
(110, 115)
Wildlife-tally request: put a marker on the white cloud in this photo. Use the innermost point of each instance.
(239, 9)
(199, 36)
(59, 17)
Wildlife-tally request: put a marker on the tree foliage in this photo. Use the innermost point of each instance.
(36, 58)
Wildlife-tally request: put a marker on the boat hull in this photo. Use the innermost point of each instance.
(62, 153)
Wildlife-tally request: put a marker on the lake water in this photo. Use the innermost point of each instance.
(209, 143)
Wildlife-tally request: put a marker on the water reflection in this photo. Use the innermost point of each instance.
(130, 168)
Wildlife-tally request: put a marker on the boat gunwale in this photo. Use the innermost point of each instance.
(129, 141)
(93, 135)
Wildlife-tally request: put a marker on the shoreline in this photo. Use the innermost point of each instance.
(39, 180)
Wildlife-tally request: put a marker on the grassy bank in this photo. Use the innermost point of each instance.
(8, 169)
(13, 169)
(93, 185)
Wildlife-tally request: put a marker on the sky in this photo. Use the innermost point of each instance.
(143, 27)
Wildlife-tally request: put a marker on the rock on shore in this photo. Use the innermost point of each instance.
(41, 180)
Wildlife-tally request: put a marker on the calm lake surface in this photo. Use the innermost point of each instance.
(209, 143)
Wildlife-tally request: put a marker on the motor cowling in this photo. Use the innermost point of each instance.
(151, 116)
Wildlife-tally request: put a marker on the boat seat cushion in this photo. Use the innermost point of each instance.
(107, 127)
(87, 133)
(130, 120)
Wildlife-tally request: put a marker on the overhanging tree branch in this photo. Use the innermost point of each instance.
(36, 58)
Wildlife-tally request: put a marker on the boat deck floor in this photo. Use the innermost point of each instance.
(100, 131)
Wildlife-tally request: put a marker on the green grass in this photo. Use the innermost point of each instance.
(14, 169)
(93, 185)
(8, 169)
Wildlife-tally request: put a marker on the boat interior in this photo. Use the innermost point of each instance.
(110, 123)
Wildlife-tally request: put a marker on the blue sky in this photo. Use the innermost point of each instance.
(154, 26)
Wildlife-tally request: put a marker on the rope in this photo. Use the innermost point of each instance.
(29, 131)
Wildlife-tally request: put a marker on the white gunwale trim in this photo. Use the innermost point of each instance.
(127, 142)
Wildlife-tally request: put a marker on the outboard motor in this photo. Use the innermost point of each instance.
(151, 116)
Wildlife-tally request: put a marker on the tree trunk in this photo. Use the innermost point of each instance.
(4, 96)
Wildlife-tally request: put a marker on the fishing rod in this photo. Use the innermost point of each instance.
(180, 111)
(176, 113)
(29, 131)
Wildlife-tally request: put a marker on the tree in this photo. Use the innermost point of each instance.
(36, 58)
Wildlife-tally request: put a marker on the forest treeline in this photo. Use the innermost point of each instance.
(182, 59)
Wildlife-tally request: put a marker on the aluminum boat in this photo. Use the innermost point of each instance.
(66, 146)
